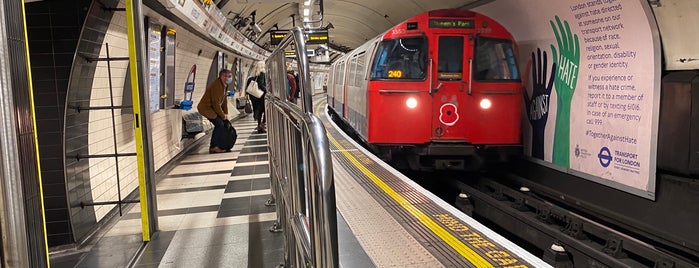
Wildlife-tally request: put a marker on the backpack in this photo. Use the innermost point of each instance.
(229, 137)
(291, 86)
(298, 88)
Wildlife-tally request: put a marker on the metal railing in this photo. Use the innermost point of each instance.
(300, 165)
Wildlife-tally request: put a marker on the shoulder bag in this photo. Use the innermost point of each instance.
(252, 89)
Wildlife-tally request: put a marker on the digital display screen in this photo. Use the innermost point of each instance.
(449, 76)
(317, 38)
(452, 23)
(395, 73)
(276, 37)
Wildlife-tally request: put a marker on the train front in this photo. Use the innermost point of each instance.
(445, 92)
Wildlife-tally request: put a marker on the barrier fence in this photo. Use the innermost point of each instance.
(300, 164)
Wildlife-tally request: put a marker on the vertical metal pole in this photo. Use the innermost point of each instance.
(144, 151)
(114, 132)
(306, 94)
(15, 247)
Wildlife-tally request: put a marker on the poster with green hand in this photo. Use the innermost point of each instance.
(602, 110)
(567, 58)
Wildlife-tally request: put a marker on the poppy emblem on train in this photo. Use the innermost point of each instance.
(448, 114)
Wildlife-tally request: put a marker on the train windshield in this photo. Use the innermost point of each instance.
(495, 60)
(402, 58)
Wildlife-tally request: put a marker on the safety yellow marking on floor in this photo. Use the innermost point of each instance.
(346, 150)
(497, 256)
(447, 237)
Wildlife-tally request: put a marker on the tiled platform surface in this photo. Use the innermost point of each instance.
(211, 213)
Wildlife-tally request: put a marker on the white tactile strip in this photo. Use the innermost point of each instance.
(383, 239)
(440, 212)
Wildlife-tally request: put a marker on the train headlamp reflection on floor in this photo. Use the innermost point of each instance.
(411, 103)
(485, 103)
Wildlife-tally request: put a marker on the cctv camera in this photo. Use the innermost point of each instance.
(256, 28)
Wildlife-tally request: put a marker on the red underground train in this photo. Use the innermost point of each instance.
(440, 90)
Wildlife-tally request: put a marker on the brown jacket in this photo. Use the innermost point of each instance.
(213, 104)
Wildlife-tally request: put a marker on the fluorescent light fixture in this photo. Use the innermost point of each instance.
(306, 12)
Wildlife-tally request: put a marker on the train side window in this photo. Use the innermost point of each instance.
(450, 61)
(402, 58)
(360, 69)
(353, 72)
(495, 60)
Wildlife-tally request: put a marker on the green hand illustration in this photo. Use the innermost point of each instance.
(566, 79)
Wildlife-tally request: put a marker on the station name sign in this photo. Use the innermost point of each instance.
(317, 38)
(451, 23)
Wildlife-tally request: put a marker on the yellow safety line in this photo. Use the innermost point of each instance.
(438, 230)
(135, 98)
(36, 135)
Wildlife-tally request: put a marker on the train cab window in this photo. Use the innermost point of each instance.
(495, 60)
(402, 58)
(450, 61)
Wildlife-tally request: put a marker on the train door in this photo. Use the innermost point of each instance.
(449, 80)
(345, 87)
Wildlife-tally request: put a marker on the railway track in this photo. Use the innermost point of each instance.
(557, 233)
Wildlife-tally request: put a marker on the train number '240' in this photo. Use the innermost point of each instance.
(395, 73)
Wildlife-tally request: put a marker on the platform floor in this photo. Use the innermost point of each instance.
(211, 214)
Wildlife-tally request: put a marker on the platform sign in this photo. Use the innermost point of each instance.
(599, 118)
(317, 38)
(276, 37)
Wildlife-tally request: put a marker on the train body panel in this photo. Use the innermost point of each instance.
(444, 83)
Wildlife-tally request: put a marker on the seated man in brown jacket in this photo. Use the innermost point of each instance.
(213, 106)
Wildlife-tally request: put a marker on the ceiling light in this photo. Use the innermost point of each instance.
(306, 11)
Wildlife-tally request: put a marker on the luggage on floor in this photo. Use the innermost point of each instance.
(229, 137)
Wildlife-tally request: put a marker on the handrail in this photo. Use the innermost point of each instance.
(300, 165)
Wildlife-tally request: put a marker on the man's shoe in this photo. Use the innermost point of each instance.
(215, 150)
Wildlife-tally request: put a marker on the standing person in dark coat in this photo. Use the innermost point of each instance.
(292, 86)
(213, 106)
(258, 104)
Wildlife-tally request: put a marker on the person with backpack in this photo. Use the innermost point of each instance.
(214, 106)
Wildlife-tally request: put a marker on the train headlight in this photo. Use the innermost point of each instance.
(411, 103)
(485, 104)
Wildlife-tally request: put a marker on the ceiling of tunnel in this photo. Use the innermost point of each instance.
(353, 21)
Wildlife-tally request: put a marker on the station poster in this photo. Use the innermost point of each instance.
(154, 62)
(591, 76)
